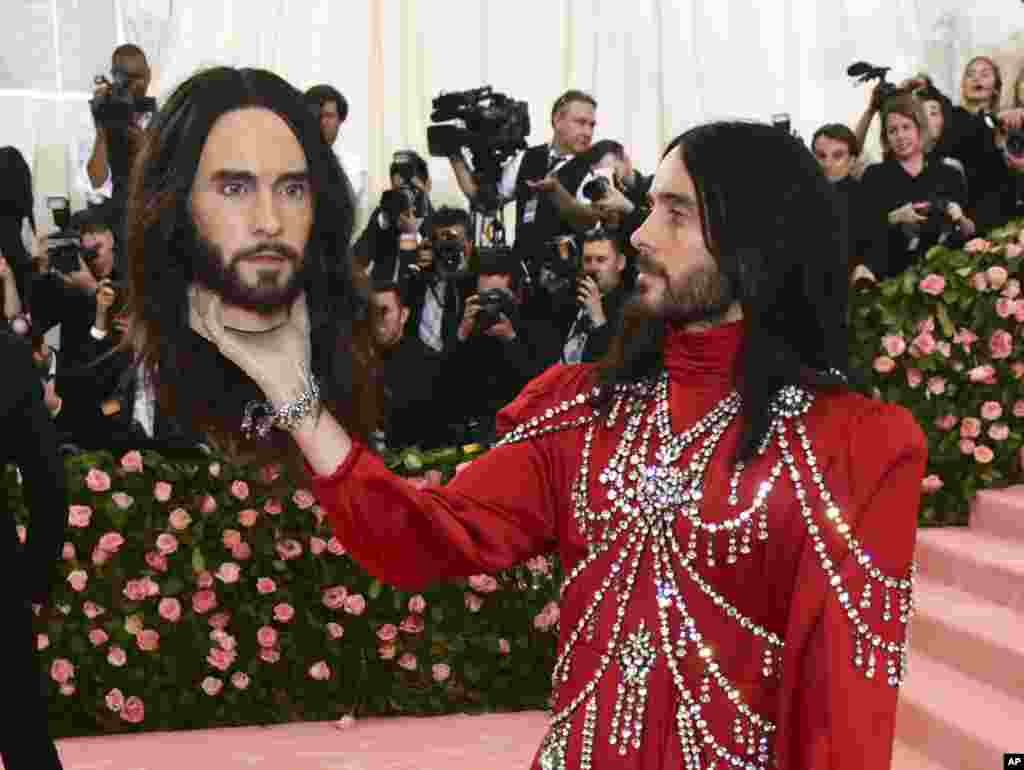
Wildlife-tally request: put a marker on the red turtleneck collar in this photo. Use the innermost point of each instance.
(705, 356)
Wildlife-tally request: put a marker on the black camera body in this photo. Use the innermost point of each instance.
(1014, 136)
(864, 73)
(118, 105)
(495, 303)
(596, 188)
(938, 222)
(63, 246)
(494, 128)
(448, 256)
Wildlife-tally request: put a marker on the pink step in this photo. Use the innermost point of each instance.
(986, 566)
(983, 640)
(1000, 512)
(956, 720)
(905, 758)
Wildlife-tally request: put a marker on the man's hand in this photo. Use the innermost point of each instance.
(121, 324)
(548, 184)
(50, 398)
(909, 214)
(1012, 120)
(425, 256)
(5, 270)
(862, 273)
(469, 314)
(502, 329)
(588, 294)
(105, 297)
(100, 90)
(615, 201)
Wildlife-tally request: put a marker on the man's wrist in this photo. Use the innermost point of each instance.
(98, 333)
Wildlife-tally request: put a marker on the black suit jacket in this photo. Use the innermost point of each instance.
(30, 442)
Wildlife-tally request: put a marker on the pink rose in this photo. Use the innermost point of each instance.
(225, 640)
(334, 597)
(408, 661)
(999, 432)
(461, 467)
(132, 462)
(317, 545)
(240, 680)
(355, 604)
(62, 670)
(335, 547)
(976, 246)
(484, 584)
(504, 647)
(148, 640)
(944, 348)
(220, 658)
(22, 532)
(473, 602)
(179, 519)
(387, 651)
(273, 507)
(115, 700)
(966, 338)
(983, 454)
(67, 689)
(413, 624)
(42, 641)
(267, 636)
(169, 609)
(116, 656)
(99, 556)
(156, 561)
(215, 470)
(320, 671)
(970, 427)
(283, 612)
(92, 610)
(1018, 408)
(203, 601)
(134, 710)
(1005, 307)
(884, 364)
(926, 325)
(98, 637)
(134, 591)
(932, 284)
(122, 501)
(78, 579)
(289, 549)
(239, 489)
(220, 620)
(212, 685)
(303, 498)
(991, 410)
(166, 543)
(97, 480)
(440, 672)
(1014, 250)
(269, 655)
(979, 281)
(231, 538)
(387, 632)
(1000, 344)
(162, 491)
(270, 473)
(266, 585)
(228, 572)
(936, 386)
(335, 630)
(111, 542)
(242, 551)
(1012, 289)
(247, 518)
(914, 378)
(923, 345)
(417, 604)
(1017, 368)
(68, 553)
(207, 505)
(985, 374)
(997, 276)
(79, 515)
(204, 579)
(967, 446)
(133, 624)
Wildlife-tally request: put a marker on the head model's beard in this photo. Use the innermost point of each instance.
(702, 296)
(226, 280)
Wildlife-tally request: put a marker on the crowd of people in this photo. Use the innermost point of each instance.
(461, 325)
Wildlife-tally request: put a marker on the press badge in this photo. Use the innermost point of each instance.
(530, 212)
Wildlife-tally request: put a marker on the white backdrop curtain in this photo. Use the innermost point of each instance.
(655, 66)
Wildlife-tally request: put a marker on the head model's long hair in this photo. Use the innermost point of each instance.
(773, 225)
(194, 383)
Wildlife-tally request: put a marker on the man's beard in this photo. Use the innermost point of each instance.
(263, 298)
(702, 296)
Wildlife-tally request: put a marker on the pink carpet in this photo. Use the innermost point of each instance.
(457, 742)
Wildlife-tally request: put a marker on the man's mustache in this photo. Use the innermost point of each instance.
(281, 249)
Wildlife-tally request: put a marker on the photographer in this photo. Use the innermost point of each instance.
(332, 109)
(1005, 200)
(617, 189)
(498, 351)
(387, 246)
(600, 293)
(85, 301)
(910, 201)
(9, 289)
(440, 282)
(121, 111)
(546, 181)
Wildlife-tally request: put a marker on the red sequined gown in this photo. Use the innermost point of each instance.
(773, 641)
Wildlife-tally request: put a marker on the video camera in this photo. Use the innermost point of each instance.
(494, 127)
(64, 246)
(118, 105)
(864, 73)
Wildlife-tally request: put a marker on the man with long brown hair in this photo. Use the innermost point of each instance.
(736, 525)
(236, 199)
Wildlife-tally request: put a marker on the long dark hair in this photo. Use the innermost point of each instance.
(772, 222)
(194, 382)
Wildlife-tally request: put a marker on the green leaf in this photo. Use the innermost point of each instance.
(198, 561)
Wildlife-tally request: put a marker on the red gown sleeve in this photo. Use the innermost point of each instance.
(832, 717)
(500, 510)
